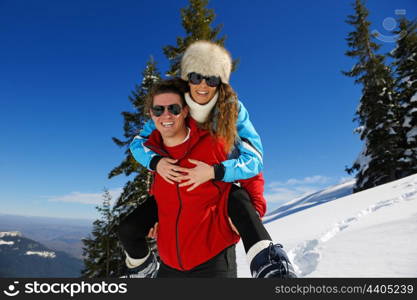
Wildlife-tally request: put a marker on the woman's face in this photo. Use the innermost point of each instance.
(202, 93)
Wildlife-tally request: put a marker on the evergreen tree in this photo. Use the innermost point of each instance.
(405, 55)
(136, 190)
(378, 112)
(102, 251)
(197, 22)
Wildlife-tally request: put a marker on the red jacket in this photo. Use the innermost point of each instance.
(255, 188)
(193, 226)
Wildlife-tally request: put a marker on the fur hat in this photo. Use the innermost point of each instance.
(208, 59)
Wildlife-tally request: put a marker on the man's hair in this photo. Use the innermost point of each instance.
(174, 86)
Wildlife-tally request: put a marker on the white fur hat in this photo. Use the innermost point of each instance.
(208, 59)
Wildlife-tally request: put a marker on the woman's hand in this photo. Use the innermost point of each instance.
(197, 175)
(167, 169)
(153, 232)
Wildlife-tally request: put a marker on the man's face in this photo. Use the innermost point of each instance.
(169, 124)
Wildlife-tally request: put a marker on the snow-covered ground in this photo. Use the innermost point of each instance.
(368, 234)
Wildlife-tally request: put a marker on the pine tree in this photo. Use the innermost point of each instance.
(197, 22)
(102, 251)
(378, 112)
(405, 55)
(136, 190)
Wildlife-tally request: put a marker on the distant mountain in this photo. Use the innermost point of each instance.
(55, 233)
(23, 257)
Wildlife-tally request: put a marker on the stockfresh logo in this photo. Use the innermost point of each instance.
(11, 290)
(389, 25)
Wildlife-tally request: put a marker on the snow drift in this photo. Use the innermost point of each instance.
(367, 234)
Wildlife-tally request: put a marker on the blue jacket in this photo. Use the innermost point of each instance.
(245, 161)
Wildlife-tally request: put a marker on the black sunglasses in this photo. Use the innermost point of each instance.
(174, 109)
(196, 78)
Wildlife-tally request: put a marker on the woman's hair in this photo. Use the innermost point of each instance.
(174, 86)
(223, 117)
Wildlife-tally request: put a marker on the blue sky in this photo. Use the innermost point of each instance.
(67, 68)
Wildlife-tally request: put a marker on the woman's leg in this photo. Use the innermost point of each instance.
(135, 227)
(265, 259)
(245, 218)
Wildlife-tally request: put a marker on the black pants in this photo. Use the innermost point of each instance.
(135, 227)
(244, 217)
(222, 265)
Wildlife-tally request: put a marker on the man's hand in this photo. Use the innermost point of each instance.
(233, 227)
(168, 170)
(197, 175)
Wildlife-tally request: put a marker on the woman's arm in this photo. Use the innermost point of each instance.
(243, 163)
(247, 161)
(140, 152)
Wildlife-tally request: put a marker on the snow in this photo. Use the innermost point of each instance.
(6, 242)
(10, 233)
(411, 135)
(45, 254)
(366, 234)
(6, 234)
(314, 199)
(407, 121)
(359, 129)
(383, 91)
(414, 98)
(364, 159)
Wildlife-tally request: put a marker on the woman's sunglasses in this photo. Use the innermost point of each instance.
(196, 78)
(158, 110)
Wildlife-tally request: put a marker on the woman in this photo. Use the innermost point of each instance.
(213, 104)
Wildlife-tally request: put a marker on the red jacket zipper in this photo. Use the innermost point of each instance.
(176, 228)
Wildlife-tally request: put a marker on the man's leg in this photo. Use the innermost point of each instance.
(223, 265)
(133, 231)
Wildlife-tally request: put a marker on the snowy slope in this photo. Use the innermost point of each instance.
(367, 234)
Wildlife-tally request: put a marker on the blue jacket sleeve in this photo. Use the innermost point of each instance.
(247, 161)
(140, 152)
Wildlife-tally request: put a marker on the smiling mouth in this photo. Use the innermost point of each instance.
(202, 93)
(167, 124)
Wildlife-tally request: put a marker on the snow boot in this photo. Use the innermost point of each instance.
(272, 262)
(148, 269)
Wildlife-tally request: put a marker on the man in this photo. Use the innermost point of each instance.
(194, 235)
